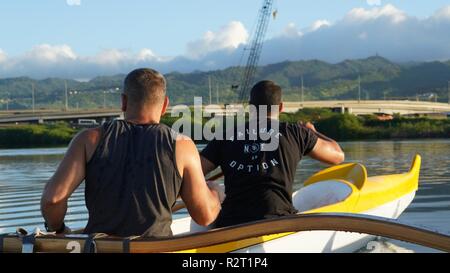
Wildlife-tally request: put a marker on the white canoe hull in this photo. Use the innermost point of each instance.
(330, 241)
(313, 241)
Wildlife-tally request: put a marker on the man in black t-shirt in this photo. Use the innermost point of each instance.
(258, 180)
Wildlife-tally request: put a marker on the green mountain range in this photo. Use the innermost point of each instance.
(380, 79)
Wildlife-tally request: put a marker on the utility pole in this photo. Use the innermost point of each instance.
(66, 96)
(217, 93)
(104, 99)
(359, 88)
(303, 91)
(32, 97)
(7, 101)
(210, 90)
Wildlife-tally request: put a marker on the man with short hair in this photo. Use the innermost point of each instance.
(134, 169)
(258, 181)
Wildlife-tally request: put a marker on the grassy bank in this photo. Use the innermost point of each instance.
(34, 136)
(349, 127)
(341, 127)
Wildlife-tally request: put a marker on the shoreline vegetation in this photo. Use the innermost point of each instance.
(342, 127)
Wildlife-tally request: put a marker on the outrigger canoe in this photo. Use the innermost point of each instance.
(341, 210)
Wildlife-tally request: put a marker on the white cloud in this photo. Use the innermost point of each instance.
(146, 55)
(2, 56)
(110, 57)
(46, 53)
(388, 11)
(443, 13)
(73, 2)
(292, 31)
(118, 57)
(319, 24)
(385, 30)
(229, 37)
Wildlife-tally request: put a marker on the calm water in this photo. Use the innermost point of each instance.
(23, 174)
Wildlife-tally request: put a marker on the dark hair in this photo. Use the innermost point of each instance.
(145, 86)
(265, 93)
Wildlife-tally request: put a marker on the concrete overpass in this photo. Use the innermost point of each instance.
(354, 107)
(11, 117)
(373, 107)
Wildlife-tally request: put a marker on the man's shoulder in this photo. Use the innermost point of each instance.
(90, 134)
(184, 143)
(88, 139)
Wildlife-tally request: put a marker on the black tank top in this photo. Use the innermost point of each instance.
(132, 181)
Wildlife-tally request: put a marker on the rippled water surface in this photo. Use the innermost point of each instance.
(23, 174)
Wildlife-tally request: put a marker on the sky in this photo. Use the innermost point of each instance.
(87, 38)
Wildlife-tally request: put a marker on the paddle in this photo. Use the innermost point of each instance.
(179, 205)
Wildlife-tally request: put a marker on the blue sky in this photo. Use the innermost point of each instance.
(167, 28)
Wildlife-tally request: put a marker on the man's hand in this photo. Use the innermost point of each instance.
(326, 150)
(213, 185)
(65, 231)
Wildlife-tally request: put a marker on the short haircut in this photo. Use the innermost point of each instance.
(145, 86)
(265, 93)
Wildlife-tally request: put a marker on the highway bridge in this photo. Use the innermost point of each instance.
(353, 107)
(373, 107)
(15, 117)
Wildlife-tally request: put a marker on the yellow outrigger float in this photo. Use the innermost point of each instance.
(341, 210)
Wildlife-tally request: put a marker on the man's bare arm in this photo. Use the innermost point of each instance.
(207, 166)
(69, 175)
(326, 149)
(203, 203)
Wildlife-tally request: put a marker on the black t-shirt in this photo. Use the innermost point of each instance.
(258, 184)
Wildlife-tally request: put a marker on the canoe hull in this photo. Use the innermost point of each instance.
(339, 189)
(330, 241)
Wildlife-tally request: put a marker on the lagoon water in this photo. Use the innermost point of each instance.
(24, 172)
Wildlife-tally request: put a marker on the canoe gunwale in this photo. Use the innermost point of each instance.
(363, 224)
(377, 226)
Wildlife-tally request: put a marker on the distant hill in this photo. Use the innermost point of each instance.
(380, 78)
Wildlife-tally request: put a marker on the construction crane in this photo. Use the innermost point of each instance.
(255, 49)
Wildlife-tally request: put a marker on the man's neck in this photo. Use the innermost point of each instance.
(142, 119)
